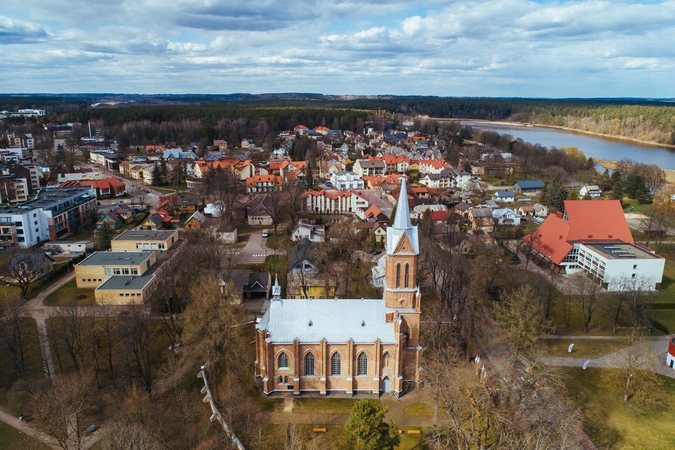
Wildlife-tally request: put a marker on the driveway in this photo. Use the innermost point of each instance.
(255, 251)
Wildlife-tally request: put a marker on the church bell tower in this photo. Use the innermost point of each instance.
(400, 286)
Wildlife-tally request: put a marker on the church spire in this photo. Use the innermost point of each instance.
(402, 219)
(276, 289)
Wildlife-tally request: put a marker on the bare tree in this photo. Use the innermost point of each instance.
(294, 196)
(13, 331)
(60, 411)
(22, 270)
(637, 375)
(277, 208)
(226, 190)
(136, 327)
(587, 291)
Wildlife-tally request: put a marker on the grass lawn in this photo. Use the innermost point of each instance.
(613, 423)
(11, 438)
(326, 405)
(15, 392)
(667, 291)
(583, 348)
(418, 409)
(70, 295)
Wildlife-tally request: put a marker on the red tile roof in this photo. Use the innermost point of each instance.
(588, 220)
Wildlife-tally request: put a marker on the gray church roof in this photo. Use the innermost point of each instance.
(336, 320)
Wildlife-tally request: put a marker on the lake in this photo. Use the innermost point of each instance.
(592, 146)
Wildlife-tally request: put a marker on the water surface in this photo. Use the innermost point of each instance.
(592, 146)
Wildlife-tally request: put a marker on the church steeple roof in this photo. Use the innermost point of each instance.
(276, 289)
(402, 225)
(402, 219)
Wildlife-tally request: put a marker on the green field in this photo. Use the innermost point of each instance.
(613, 423)
(70, 295)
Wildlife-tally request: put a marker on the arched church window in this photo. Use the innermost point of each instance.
(398, 275)
(335, 364)
(309, 364)
(362, 365)
(407, 274)
(386, 359)
(283, 361)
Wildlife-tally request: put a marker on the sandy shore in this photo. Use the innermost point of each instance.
(573, 130)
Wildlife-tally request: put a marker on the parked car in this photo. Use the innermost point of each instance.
(266, 233)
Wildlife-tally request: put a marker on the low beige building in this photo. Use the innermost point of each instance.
(139, 240)
(99, 267)
(124, 290)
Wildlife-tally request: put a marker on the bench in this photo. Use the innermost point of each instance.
(319, 430)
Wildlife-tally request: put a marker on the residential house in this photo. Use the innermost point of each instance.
(33, 265)
(505, 216)
(110, 220)
(306, 229)
(540, 210)
(259, 210)
(249, 286)
(377, 229)
(526, 211)
(432, 166)
(186, 204)
(195, 221)
(346, 180)
(590, 191)
(152, 223)
(446, 178)
(136, 171)
(504, 197)
(481, 219)
(369, 168)
(263, 183)
(521, 187)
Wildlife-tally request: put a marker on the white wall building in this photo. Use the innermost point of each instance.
(346, 180)
(614, 263)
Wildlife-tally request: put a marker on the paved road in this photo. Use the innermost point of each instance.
(659, 347)
(255, 251)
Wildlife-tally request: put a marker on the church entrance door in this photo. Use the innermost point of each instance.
(386, 387)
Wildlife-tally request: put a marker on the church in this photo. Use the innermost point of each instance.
(348, 346)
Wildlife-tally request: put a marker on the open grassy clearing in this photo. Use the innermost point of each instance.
(326, 405)
(70, 295)
(13, 439)
(583, 348)
(15, 391)
(613, 423)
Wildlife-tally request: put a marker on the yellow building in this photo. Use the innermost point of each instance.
(125, 289)
(138, 240)
(350, 346)
(98, 267)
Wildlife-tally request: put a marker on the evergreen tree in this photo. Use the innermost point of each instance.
(617, 190)
(367, 429)
(103, 238)
(156, 175)
(163, 172)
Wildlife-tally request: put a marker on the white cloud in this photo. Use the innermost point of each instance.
(435, 47)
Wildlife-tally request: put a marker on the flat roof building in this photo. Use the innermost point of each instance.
(53, 214)
(138, 240)
(99, 267)
(125, 289)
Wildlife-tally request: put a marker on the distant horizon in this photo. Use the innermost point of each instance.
(445, 48)
(185, 94)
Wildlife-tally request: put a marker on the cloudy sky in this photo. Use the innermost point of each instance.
(587, 48)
